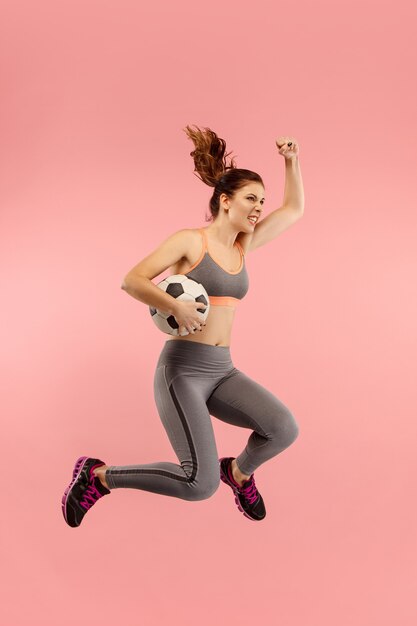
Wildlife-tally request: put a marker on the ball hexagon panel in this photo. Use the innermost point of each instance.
(180, 287)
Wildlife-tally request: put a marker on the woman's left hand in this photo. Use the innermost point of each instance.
(288, 147)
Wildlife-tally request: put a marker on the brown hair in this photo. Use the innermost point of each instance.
(211, 167)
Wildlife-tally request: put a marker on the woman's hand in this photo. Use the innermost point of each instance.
(288, 147)
(188, 317)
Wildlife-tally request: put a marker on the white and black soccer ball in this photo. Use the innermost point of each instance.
(183, 288)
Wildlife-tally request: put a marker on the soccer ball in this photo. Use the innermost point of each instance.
(183, 288)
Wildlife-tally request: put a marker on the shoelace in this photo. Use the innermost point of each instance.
(250, 492)
(90, 496)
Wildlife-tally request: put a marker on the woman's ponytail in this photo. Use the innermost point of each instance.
(211, 167)
(209, 155)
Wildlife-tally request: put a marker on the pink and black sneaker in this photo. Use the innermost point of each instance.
(247, 497)
(83, 491)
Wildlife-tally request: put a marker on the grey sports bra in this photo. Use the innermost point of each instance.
(223, 287)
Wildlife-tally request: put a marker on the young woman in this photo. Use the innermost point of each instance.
(195, 376)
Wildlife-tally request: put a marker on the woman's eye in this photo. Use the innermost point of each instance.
(253, 198)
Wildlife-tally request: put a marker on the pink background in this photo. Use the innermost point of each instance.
(95, 173)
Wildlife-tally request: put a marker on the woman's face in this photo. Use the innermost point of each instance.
(247, 201)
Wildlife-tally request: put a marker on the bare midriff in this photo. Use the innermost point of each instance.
(219, 322)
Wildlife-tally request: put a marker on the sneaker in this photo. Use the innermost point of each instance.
(248, 499)
(83, 491)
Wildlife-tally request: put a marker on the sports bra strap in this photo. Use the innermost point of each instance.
(203, 234)
(240, 248)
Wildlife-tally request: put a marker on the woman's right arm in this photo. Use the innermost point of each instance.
(138, 281)
(147, 292)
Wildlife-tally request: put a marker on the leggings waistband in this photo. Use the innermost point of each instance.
(194, 354)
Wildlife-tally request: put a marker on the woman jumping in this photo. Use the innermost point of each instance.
(195, 376)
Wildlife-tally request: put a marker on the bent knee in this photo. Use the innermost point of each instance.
(286, 429)
(201, 490)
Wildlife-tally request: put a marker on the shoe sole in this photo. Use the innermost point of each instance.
(79, 464)
(239, 506)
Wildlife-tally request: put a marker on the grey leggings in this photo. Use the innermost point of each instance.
(193, 381)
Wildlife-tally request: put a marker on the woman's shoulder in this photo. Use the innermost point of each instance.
(191, 235)
(189, 239)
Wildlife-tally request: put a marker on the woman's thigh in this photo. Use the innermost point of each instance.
(181, 402)
(241, 401)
